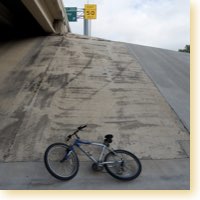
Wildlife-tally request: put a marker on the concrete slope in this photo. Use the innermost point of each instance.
(170, 71)
(61, 82)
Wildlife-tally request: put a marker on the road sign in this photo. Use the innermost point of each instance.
(90, 11)
(71, 13)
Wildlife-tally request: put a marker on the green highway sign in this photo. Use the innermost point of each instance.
(71, 13)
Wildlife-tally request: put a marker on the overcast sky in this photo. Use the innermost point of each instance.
(157, 23)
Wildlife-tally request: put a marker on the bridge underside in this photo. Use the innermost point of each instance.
(22, 18)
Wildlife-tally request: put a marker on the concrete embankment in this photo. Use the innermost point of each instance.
(50, 85)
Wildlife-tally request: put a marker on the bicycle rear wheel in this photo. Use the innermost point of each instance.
(59, 164)
(123, 165)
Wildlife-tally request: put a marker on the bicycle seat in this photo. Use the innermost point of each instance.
(108, 139)
(109, 136)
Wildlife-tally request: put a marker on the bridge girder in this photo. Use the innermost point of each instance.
(32, 17)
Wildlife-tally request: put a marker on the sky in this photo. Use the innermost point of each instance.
(157, 23)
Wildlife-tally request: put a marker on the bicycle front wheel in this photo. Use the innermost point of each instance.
(60, 163)
(123, 165)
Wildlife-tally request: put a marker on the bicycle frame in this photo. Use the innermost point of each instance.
(78, 143)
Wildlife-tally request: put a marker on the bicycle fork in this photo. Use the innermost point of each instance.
(67, 154)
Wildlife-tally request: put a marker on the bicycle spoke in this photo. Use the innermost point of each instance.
(125, 165)
(58, 165)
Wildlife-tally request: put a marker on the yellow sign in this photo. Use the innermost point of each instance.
(90, 11)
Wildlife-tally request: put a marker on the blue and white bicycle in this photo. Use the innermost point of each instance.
(62, 161)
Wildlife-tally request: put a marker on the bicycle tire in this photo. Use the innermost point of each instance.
(54, 155)
(116, 169)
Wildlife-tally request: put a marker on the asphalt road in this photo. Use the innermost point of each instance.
(170, 71)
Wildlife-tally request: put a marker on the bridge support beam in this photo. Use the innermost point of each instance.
(49, 14)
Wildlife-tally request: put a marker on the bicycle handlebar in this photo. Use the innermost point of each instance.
(81, 127)
(77, 130)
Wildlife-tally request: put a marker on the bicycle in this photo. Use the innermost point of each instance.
(62, 161)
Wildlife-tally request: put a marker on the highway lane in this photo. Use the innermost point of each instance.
(170, 72)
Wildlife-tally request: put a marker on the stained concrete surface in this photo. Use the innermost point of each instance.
(65, 81)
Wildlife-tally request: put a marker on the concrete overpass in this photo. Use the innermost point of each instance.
(22, 18)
